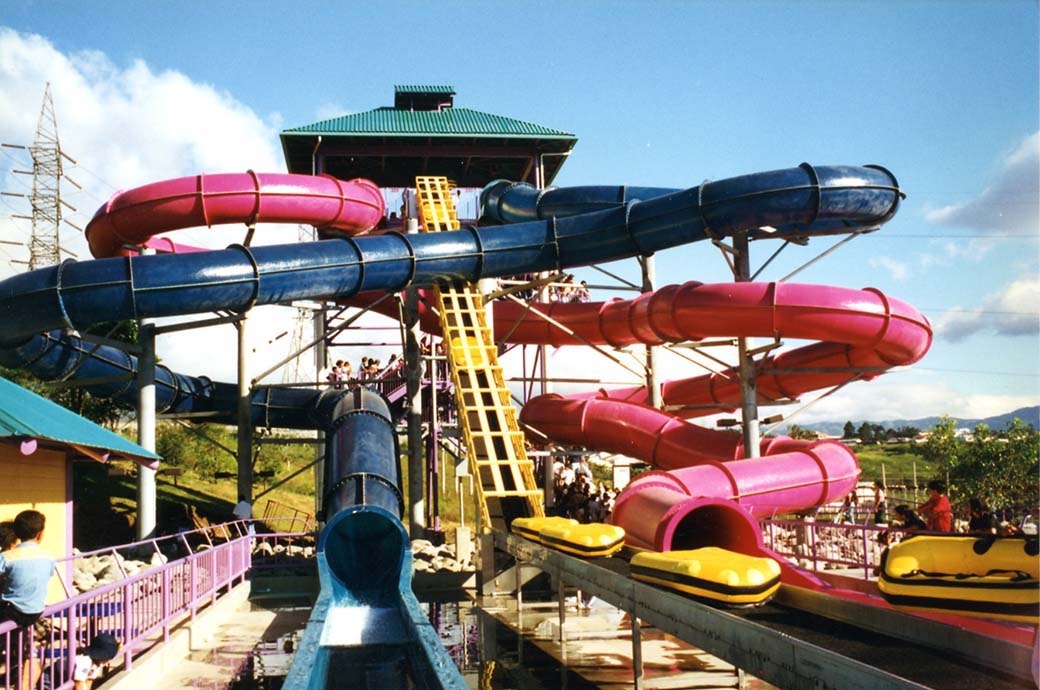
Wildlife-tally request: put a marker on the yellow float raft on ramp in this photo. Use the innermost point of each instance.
(716, 574)
(986, 576)
(591, 540)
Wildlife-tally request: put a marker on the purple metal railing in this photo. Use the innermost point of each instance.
(139, 610)
(854, 549)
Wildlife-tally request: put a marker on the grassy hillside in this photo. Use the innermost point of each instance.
(105, 501)
(895, 462)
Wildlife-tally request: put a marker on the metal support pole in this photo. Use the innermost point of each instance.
(748, 388)
(320, 362)
(413, 372)
(245, 417)
(561, 598)
(649, 268)
(146, 500)
(637, 652)
(435, 471)
(545, 386)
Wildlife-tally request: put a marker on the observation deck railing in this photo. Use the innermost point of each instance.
(140, 609)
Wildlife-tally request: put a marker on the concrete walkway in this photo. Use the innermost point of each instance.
(211, 652)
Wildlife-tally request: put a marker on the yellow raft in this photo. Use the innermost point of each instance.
(591, 540)
(712, 573)
(531, 527)
(986, 576)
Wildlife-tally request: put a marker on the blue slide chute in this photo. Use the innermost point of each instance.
(38, 305)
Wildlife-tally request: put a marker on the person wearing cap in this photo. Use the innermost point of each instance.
(89, 665)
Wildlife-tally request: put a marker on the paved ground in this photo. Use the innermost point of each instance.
(218, 665)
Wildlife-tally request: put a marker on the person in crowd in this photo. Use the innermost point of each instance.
(910, 521)
(847, 513)
(880, 509)
(937, 510)
(1009, 529)
(567, 289)
(581, 293)
(243, 510)
(981, 520)
(567, 474)
(26, 571)
(88, 665)
(582, 468)
(337, 376)
(8, 539)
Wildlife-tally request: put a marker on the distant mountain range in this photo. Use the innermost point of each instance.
(1029, 415)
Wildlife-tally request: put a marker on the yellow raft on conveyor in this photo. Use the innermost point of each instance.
(712, 573)
(531, 527)
(591, 540)
(987, 576)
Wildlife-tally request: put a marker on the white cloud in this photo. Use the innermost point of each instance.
(1015, 311)
(907, 394)
(1010, 204)
(899, 270)
(125, 125)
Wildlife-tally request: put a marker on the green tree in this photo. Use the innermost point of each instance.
(1001, 468)
(104, 411)
(870, 433)
(941, 448)
(849, 431)
(795, 431)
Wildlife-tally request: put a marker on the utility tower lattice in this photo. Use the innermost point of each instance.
(296, 370)
(44, 244)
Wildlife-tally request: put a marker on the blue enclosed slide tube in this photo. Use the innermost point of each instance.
(39, 305)
(367, 629)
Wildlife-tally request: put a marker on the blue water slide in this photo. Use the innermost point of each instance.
(43, 307)
(366, 629)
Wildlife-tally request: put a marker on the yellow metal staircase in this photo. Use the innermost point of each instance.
(505, 475)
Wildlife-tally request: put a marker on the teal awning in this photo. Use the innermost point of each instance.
(28, 417)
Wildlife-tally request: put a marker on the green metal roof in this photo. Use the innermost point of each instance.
(449, 121)
(423, 88)
(26, 415)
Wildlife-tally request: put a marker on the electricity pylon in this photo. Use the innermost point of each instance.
(44, 242)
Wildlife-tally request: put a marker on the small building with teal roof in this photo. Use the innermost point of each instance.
(39, 442)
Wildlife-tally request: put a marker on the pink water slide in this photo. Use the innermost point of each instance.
(706, 492)
(136, 216)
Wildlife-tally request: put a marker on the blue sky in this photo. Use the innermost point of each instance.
(943, 94)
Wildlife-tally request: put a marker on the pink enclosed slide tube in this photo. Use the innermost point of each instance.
(862, 334)
(134, 216)
(707, 494)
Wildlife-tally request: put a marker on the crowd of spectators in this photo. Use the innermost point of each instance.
(576, 493)
(342, 372)
(566, 290)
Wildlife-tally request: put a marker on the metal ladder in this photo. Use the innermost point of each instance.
(505, 483)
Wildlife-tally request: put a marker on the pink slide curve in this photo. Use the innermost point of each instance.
(136, 215)
(707, 494)
(707, 490)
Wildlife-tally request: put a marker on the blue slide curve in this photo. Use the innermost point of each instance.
(42, 306)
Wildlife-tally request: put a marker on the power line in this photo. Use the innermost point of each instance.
(986, 312)
(986, 236)
(1034, 374)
